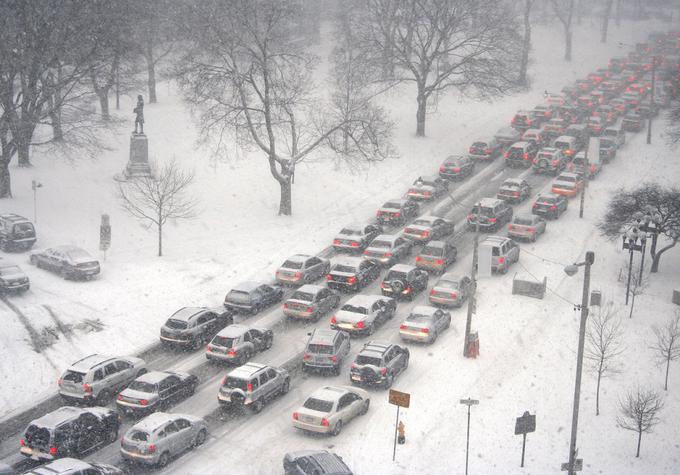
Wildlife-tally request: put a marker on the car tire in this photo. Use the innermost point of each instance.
(256, 406)
(245, 357)
(112, 436)
(197, 343)
(257, 308)
(34, 261)
(337, 428)
(371, 329)
(364, 408)
(268, 343)
(200, 437)
(285, 387)
(163, 460)
(389, 380)
(533, 237)
(336, 370)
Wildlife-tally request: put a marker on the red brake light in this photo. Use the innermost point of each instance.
(360, 324)
(387, 254)
(424, 330)
(310, 309)
(249, 387)
(328, 277)
(492, 220)
(224, 381)
(401, 327)
(439, 262)
(397, 215)
(553, 208)
(334, 358)
(442, 168)
(531, 229)
(334, 320)
(120, 397)
(419, 259)
(298, 275)
(53, 451)
(535, 205)
(144, 402)
(22, 442)
(526, 156)
(285, 304)
(425, 233)
(506, 154)
(352, 280)
(488, 150)
(509, 227)
(456, 169)
(324, 422)
(453, 295)
(232, 352)
(151, 449)
(554, 163)
(307, 357)
(354, 244)
(471, 150)
(60, 381)
(87, 388)
(470, 217)
(336, 241)
(296, 416)
(501, 260)
(383, 371)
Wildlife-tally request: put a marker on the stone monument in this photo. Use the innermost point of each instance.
(138, 164)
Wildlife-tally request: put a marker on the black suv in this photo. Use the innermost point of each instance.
(403, 281)
(317, 462)
(69, 431)
(378, 363)
(16, 232)
(251, 297)
(352, 274)
(396, 212)
(193, 327)
(490, 213)
(549, 205)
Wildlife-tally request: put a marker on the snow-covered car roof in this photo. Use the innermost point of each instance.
(153, 421)
(246, 371)
(513, 182)
(299, 258)
(405, 268)
(185, 313)
(310, 289)
(155, 377)
(347, 261)
(487, 202)
(385, 237)
(248, 286)
(364, 300)
(234, 330)
(424, 310)
(68, 413)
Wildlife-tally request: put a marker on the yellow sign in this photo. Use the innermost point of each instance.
(399, 399)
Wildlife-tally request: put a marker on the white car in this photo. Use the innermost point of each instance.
(361, 313)
(331, 407)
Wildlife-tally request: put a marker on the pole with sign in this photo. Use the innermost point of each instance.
(468, 402)
(400, 400)
(104, 234)
(524, 425)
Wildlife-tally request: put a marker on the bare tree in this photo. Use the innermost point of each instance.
(667, 346)
(564, 10)
(606, 14)
(469, 45)
(526, 43)
(157, 199)
(639, 412)
(603, 345)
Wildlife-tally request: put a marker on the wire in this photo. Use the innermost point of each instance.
(543, 258)
(546, 286)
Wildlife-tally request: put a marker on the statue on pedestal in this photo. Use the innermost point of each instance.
(139, 110)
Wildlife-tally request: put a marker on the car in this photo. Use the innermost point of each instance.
(451, 290)
(387, 249)
(578, 165)
(319, 462)
(155, 390)
(543, 110)
(586, 105)
(567, 184)
(310, 302)
(71, 466)
(526, 226)
(397, 212)
(550, 160)
(457, 166)
(524, 120)
(507, 136)
(378, 363)
(538, 136)
(571, 114)
(424, 324)
(193, 327)
(161, 436)
(356, 237)
(514, 190)
(436, 256)
(404, 281)
(329, 408)
(69, 431)
(489, 214)
(503, 251)
(580, 133)
(549, 205)
(647, 110)
(70, 262)
(607, 113)
(555, 99)
(617, 64)
(555, 127)
(520, 154)
(584, 85)
(611, 86)
(632, 122)
(568, 145)
(252, 297)
(96, 379)
(428, 188)
(352, 274)
(616, 134)
(607, 150)
(631, 98)
(302, 269)
(326, 349)
(485, 149)
(599, 75)
(427, 228)
(361, 314)
(619, 105)
(16, 232)
(595, 125)
(12, 278)
(252, 385)
(237, 343)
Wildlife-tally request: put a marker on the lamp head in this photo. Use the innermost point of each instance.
(570, 270)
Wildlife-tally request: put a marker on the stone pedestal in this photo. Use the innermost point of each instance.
(138, 165)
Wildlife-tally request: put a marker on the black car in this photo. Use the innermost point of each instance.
(456, 166)
(396, 212)
(352, 274)
(404, 281)
(378, 363)
(69, 431)
(155, 390)
(193, 327)
(489, 214)
(16, 232)
(13, 279)
(549, 205)
(356, 237)
(252, 297)
(70, 262)
(318, 462)
(514, 190)
(485, 150)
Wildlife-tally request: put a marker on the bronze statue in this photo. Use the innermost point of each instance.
(139, 110)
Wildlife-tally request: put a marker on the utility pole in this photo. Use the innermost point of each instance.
(473, 295)
(586, 174)
(468, 402)
(652, 102)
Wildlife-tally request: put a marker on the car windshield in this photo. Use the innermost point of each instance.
(344, 268)
(561, 145)
(320, 349)
(238, 296)
(479, 145)
(318, 405)
(350, 232)
(36, 435)
(395, 275)
(522, 220)
(176, 324)
(10, 270)
(422, 222)
(306, 296)
(139, 436)
(354, 309)
(78, 254)
(511, 184)
(432, 251)
(567, 178)
(23, 227)
(447, 284)
(292, 265)
(142, 386)
(223, 341)
(487, 212)
(542, 199)
(372, 360)
(606, 143)
(386, 244)
(73, 377)
(236, 383)
(392, 205)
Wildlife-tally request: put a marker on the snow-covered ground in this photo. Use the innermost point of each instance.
(528, 346)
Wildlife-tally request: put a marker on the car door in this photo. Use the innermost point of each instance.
(438, 320)
(377, 312)
(171, 439)
(257, 338)
(263, 295)
(275, 381)
(266, 385)
(323, 300)
(173, 384)
(126, 371)
(88, 430)
(313, 266)
(345, 408)
(113, 378)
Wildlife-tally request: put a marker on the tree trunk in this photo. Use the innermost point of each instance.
(5, 180)
(151, 73)
(286, 203)
(605, 20)
(526, 44)
(160, 239)
(657, 256)
(597, 391)
(618, 13)
(57, 131)
(668, 364)
(632, 303)
(23, 153)
(420, 114)
(639, 440)
(567, 44)
(103, 95)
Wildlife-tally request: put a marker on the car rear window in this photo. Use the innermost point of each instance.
(73, 377)
(372, 360)
(176, 324)
(432, 251)
(320, 349)
(547, 200)
(78, 254)
(10, 270)
(381, 244)
(567, 178)
(510, 184)
(495, 251)
(23, 228)
(305, 296)
(318, 405)
(36, 435)
(223, 341)
(479, 145)
(422, 222)
(238, 296)
(524, 221)
(354, 309)
(292, 265)
(142, 386)
(395, 275)
(547, 155)
(487, 212)
(447, 284)
(139, 436)
(236, 383)
(392, 205)
(344, 268)
(414, 317)
(561, 145)
(350, 232)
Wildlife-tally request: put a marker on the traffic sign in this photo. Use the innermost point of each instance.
(525, 424)
(399, 399)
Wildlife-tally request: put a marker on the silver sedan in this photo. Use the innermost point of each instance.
(424, 324)
(329, 408)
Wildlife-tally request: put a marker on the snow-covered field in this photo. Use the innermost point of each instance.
(527, 346)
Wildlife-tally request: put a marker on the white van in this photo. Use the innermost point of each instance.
(616, 133)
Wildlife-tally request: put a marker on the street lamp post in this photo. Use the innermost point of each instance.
(649, 222)
(572, 465)
(473, 295)
(34, 186)
(630, 242)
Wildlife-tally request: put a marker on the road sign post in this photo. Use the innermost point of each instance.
(523, 425)
(400, 400)
(468, 402)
